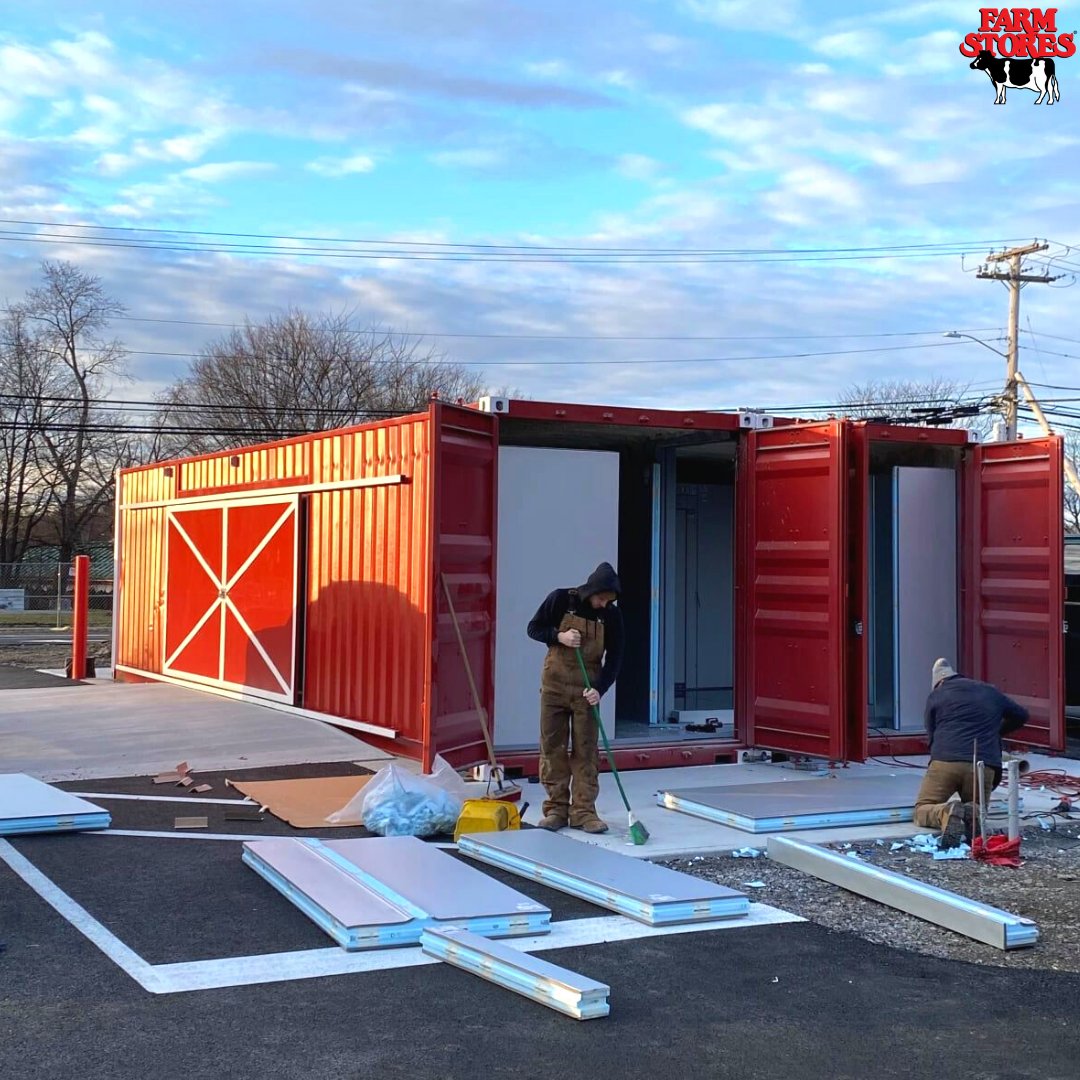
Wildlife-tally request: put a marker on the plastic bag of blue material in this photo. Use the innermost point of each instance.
(396, 802)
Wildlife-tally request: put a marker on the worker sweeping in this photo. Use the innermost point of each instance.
(963, 716)
(584, 619)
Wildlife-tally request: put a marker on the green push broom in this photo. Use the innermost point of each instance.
(638, 833)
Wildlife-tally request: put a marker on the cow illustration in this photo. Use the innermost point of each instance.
(1032, 74)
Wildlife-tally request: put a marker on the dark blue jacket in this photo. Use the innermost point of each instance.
(962, 711)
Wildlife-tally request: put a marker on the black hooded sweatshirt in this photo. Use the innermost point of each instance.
(544, 626)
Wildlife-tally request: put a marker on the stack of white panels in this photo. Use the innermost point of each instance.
(29, 806)
(649, 893)
(384, 891)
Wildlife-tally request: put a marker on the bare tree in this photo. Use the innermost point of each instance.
(68, 316)
(28, 387)
(296, 373)
(937, 401)
(1072, 499)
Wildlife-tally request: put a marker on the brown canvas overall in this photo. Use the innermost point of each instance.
(566, 717)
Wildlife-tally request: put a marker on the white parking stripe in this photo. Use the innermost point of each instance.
(317, 963)
(190, 799)
(142, 972)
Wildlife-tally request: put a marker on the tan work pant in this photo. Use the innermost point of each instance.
(942, 781)
(565, 718)
(570, 775)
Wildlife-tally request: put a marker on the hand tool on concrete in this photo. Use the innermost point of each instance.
(505, 792)
(1012, 766)
(638, 833)
(982, 803)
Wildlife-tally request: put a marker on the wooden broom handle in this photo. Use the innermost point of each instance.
(469, 673)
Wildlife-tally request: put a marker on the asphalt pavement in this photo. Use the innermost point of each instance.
(764, 1002)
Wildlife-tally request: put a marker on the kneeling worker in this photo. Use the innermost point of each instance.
(963, 716)
(584, 618)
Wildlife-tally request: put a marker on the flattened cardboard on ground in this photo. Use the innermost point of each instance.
(306, 802)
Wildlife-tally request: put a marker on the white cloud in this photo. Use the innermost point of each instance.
(473, 158)
(665, 44)
(777, 17)
(732, 123)
(352, 165)
(638, 167)
(622, 79)
(218, 172)
(548, 69)
(851, 45)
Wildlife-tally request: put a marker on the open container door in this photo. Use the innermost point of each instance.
(794, 589)
(463, 520)
(1015, 580)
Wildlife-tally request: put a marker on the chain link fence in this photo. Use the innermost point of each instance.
(40, 590)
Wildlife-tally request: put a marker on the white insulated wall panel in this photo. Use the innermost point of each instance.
(558, 518)
(925, 584)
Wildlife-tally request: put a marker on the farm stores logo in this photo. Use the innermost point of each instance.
(1016, 47)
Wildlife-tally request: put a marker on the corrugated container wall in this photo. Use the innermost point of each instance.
(365, 522)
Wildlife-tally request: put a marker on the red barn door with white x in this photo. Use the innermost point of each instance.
(231, 595)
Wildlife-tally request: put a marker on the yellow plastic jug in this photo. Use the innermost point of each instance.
(486, 815)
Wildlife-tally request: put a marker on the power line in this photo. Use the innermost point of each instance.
(435, 362)
(568, 259)
(376, 332)
(942, 246)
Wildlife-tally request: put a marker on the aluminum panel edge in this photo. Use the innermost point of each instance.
(984, 923)
(564, 991)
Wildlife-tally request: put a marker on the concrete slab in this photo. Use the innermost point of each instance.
(672, 834)
(101, 728)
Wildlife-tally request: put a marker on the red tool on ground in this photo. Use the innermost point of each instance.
(997, 850)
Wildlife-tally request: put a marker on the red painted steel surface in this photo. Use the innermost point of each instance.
(80, 610)
(1015, 589)
(793, 696)
(857, 619)
(368, 581)
(230, 595)
(464, 517)
(618, 416)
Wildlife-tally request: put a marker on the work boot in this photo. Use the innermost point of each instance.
(591, 825)
(552, 822)
(958, 826)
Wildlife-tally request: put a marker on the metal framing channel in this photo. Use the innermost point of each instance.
(656, 900)
(981, 922)
(564, 991)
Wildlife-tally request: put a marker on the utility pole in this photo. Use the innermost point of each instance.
(1015, 278)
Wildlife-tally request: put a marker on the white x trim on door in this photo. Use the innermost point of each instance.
(223, 602)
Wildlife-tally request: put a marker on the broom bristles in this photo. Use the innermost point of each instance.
(638, 833)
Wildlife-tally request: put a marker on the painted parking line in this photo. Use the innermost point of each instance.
(198, 834)
(319, 963)
(189, 799)
(119, 953)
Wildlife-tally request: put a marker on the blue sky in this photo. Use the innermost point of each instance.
(644, 124)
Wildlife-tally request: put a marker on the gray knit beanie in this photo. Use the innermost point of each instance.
(941, 671)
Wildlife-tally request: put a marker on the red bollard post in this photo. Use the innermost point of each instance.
(80, 609)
